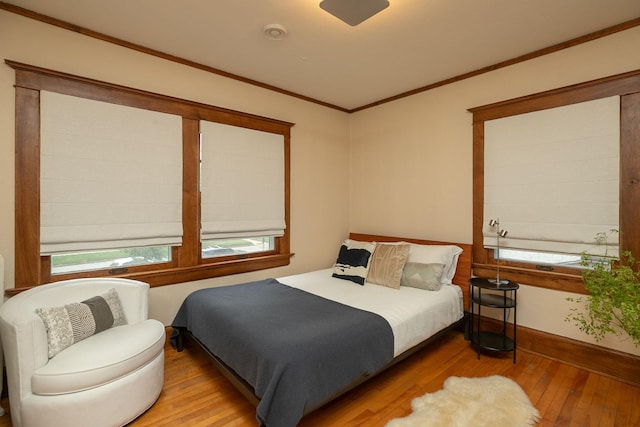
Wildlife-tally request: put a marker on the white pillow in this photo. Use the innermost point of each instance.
(437, 254)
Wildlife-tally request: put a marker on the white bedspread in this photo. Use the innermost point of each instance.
(414, 314)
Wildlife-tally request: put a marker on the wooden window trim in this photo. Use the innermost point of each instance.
(187, 263)
(627, 86)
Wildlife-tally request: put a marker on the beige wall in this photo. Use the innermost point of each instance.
(319, 143)
(403, 168)
(411, 160)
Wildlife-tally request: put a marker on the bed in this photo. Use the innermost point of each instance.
(291, 344)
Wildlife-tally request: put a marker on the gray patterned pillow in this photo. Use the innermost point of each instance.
(71, 323)
(422, 276)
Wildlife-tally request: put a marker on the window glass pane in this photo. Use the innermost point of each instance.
(237, 246)
(549, 258)
(100, 260)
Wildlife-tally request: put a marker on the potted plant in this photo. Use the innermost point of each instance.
(613, 303)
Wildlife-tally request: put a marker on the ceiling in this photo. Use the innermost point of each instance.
(409, 45)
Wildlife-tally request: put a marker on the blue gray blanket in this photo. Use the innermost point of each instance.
(296, 349)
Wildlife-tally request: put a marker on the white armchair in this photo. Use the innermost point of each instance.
(107, 379)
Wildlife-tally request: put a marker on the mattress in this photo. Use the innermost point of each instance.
(413, 314)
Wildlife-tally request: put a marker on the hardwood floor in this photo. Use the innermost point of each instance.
(195, 394)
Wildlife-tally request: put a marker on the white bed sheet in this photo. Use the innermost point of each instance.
(414, 314)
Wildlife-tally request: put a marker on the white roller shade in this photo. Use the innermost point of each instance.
(242, 182)
(552, 178)
(111, 176)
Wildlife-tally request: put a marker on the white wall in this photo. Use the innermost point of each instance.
(319, 140)
(411, 160)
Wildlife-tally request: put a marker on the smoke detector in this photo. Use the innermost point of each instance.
(274, 31)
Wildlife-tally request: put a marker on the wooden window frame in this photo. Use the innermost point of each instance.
(187, 263)
(627, 86)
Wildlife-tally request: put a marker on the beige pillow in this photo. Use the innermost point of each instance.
(387, 264)
(422, 276)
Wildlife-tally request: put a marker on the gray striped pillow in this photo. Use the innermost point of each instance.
(71, 323)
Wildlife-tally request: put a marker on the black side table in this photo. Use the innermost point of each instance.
(484, 293)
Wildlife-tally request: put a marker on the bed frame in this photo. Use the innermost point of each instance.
(463, 273)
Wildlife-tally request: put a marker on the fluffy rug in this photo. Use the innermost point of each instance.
(494, 401)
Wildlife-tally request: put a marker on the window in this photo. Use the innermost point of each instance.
(242, 190)
(552, 260)
(552, 177)
(238, 246)
(116, 260)
(110, 178)
(242, 184)
(543, 246)
(144, 219)
(541, 258)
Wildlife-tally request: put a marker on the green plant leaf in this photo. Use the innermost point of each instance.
(613, 306)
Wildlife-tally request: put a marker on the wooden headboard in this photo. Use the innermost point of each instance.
(463, 271)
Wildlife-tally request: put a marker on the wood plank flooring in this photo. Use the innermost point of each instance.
(195, 394)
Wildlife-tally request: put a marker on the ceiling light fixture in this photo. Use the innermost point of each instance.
(274, 31)
(353, 12)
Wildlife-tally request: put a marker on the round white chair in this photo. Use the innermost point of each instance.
(105, 380)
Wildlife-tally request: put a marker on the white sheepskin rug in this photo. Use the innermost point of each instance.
(494, 401)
